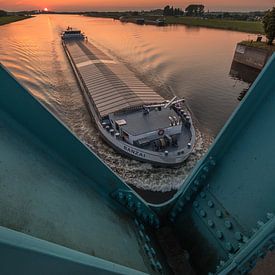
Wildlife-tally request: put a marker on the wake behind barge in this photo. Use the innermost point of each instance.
(131, 116)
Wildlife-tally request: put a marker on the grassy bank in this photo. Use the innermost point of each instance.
(226, 24)
(10, 19)
(259, 45)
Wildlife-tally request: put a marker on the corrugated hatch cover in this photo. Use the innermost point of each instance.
(111, 85)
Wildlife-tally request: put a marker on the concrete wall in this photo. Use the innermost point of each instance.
(251, 56)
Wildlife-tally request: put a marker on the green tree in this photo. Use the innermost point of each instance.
(195, 10)
(269, 25)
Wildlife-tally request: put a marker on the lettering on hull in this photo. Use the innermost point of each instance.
(134, 152)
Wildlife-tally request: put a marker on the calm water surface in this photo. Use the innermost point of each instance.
(193, 63)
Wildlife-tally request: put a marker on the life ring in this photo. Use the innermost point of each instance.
(161, 132)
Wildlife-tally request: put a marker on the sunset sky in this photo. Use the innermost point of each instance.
(83, 5)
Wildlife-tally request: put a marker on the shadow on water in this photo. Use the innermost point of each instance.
(245, 74)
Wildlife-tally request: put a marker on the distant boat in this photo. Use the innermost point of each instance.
(131, 117)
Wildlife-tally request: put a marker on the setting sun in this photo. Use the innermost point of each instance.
(45, 9)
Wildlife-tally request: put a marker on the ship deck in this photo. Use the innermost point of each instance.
(110, 85)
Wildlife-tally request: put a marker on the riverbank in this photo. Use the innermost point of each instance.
(10, 19)
(225, 24)
(259, 45)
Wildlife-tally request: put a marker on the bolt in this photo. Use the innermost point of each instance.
(153, 264)
(146, 248)
(260, 223)
(229, 246)
(270, 216)
(238, 236)
(219, 234)
(228, 224)
(120, 196)
(136, 222)
(202, 213)
(210, 223)
(197, 182)
(153, 252)
(159, 267)
(196, 204)
(129, 197)
(202, 194)
(219, 213)
(210, 204)
(147, 239)
(141, 234)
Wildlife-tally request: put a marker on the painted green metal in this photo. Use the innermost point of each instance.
(23, 254)
(42, 169)
(20, 104)
(230, 193)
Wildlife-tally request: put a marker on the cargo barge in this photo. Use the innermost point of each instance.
(131, 117)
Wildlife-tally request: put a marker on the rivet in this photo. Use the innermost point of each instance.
(202, 194)
(202, 213)
(129, 197)
(147, 239)
(158, 265)
(210, 223)
(146, 248)
(219, 213)
(238, 236)
(173, 214)
(136, 222)
(229, 246)
(195, 188)
(153, 264)
(228, 224)
(197, 182)
(212, 162)
(144, 216)
(219, 234)
(141, 234)
(260, 223)
(153, 251)
(206, 169)
(270, 216)
(196, 204)
(203, 177)
(187, 198)
(210, 204)
(120, 196)
(131, 204)
(181, 203)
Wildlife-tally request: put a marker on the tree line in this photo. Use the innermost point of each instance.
(191, 10)
(3, 13)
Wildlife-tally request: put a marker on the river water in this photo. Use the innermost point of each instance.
(193, 63)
